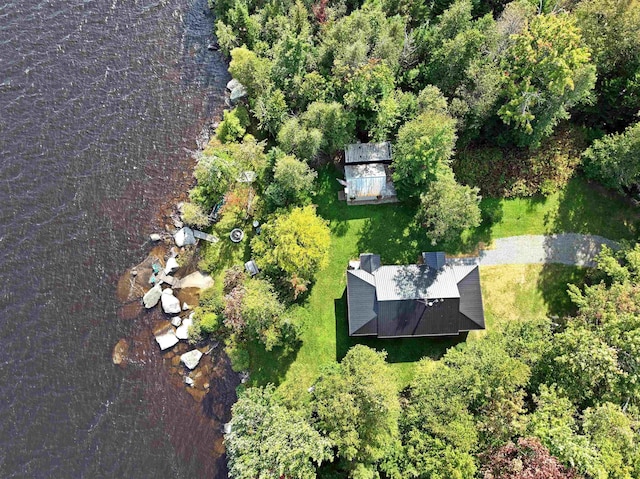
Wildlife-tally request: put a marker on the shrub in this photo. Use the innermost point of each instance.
(194, 214)
(237, 353)
(209, 322)
(234, 124)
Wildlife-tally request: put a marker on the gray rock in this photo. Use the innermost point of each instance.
(233, 83)
(170, 304)
(176, 321)
(183, 331)
(166, 338)
(151, 297)
(155, 237)
(237, 94)
(184, 237)
(191, 359)
(172, 266)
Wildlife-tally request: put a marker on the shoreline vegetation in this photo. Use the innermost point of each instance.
(495, 115)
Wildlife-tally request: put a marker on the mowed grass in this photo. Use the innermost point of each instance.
(510, 292)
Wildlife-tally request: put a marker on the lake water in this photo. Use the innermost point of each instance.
(100, 104)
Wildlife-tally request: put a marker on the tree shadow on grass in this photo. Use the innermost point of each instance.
(553, 284)
(270, 366)
(401, 350)
(588, 208)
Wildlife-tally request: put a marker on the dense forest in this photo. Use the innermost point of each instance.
(479, 98)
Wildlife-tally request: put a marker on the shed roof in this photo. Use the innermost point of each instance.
(368, 180)
(367, 152)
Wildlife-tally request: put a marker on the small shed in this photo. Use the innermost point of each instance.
(370, 182)
(368, 153)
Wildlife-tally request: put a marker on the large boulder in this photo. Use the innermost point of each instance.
(172, 266)
(183, 331)
(166, 337)
(151, 297)
(170, 304)
(191, 359)
(184, 237)
(238, 94)
(196, 280)
(233, 83)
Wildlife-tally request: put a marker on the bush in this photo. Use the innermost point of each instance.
(234, 124)
(233, 277)
(194, 215)
(237, 353)
(292, 183)
(210, 323)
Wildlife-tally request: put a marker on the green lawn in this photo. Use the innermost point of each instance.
(389, 230)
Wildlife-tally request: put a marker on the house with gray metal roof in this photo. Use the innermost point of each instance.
(367, 176)
(440, 297)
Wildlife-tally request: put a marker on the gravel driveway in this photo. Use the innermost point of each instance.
(566, 248)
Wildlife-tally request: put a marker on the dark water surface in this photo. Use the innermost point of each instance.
(99, 101)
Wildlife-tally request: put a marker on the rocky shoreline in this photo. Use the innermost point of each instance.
(168, 277)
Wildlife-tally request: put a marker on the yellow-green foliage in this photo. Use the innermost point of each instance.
(209, 322)
(296, 244)
(193, 214)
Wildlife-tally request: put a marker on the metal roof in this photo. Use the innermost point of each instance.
(415, 282)
(361, 299)
(434, 260)
(370, 262)
(367, 152)
(414, 300)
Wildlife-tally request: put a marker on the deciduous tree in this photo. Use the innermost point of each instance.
(357, 408)
(267, 440)
(296, 243)
(547, 72)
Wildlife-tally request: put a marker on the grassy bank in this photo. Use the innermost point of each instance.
(510, 292)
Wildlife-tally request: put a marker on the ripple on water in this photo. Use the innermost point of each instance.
(98, 101)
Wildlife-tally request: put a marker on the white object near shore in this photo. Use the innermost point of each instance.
(183, 331)
(172, 266)
(155, 237)
(191, 359)
(233, 83)
(184, 237)
(151, 297)
(170, 304)
(176, 321)
(166, 338)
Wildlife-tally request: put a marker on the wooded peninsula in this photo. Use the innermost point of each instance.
(499, 123)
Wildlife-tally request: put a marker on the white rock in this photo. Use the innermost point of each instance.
(151, 297)
(196, 280)
(226, 428)
(185, 307)
(184, 237)
(188, 381)
(166, 338)
(172, 266)
(176, 321)
(155, 237)
(191, 359)
(170, 304)
(237, 94)
(183, 331)
(233, 83)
